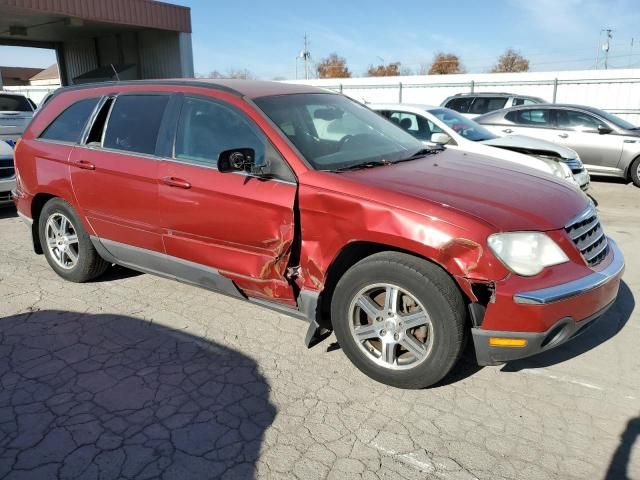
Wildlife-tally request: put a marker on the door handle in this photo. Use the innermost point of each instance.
(563, 135)
(85, 165)
(176, 182)
(507, 130)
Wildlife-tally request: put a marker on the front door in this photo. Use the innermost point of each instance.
(114, 172)
(240, 227)
(579, 131)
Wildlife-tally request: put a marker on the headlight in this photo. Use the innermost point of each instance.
(526, 253)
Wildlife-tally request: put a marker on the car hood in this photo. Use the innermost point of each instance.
(522, 142)
(505, 195)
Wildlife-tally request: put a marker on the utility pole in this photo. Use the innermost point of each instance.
(306, 55)
(605, 48)
(631, 53)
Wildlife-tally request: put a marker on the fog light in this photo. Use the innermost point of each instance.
(507, 342)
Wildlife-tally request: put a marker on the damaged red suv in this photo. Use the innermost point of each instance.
(307, 202)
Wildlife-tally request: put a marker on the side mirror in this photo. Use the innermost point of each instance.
(603, 129)
(241, 160)
(440, 138)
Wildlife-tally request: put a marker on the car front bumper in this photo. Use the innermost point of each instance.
(6, 186)
(560, 308)
(583, 180)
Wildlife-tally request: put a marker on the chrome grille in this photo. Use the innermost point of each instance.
(574, 164)
(6, 168)
(587, 234)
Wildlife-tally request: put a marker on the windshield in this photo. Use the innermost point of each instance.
(14, 103)
(462, 125)
(617, 121)
(335, 133)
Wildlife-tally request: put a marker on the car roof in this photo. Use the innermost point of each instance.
(404, 106)
(491, 94)
(547, 105)
(246, 88)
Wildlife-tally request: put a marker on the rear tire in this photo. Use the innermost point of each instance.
(66, 244)
(399, 319)
(634, 172)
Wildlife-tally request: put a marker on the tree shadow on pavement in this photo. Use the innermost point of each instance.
(619, 466)
(601, 330)
(108, 396)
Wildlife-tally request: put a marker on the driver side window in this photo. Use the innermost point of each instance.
(206, 128)
(574, 120)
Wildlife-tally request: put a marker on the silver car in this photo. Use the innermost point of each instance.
(7, 173)
(607, 145)
(15, 114)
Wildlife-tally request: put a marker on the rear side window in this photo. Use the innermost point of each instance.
(536, 118)
(483, 105)
(134, 123)
(69, 125)
(461, 104)
(14, 103)
(524, 101)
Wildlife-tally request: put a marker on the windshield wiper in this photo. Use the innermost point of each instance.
(359, 166)
(422, 153)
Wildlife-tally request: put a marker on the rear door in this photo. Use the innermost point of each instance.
(114, 171)
(226, 226)
(579, 130)
(538, 123)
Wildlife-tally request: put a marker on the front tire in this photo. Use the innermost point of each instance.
(634, 172)
(399, 319)
(66, 244)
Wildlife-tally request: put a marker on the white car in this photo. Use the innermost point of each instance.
(439, 125)
(7, 173)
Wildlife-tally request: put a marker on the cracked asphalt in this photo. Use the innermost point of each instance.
(135, 376)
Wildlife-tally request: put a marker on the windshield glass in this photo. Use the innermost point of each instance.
(462, 125)
(617, 121)
(14, 103)
(335, 133)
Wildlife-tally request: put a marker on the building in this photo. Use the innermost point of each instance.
(49, 77)
(17, 76)
(141, 38)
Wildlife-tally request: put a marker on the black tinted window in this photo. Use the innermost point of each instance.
(487, 104)
(536, 118)
(134, 123)
(207, 128)
(68, 126)
(460, 104)
(14, 103)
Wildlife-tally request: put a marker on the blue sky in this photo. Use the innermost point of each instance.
(264, 37)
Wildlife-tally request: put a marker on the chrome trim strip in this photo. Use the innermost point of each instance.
(581, 231)
(25, 219)
(577, 287)
(595, 253)
(589, 211)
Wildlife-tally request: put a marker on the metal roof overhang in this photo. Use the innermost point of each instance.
(37, 22)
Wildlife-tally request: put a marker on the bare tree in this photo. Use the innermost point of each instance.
(406, 71)
(242, 74)
(445, 63)
(511, 61)
(389, 70)
(333, 66)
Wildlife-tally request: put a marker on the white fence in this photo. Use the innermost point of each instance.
(616, 91)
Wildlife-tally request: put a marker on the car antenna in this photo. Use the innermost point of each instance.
(115, 71)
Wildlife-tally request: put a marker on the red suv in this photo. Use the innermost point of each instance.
(309, 203)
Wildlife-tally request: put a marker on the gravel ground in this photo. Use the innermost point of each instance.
(139, 377)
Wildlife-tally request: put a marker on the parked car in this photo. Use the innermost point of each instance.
(7, 173)
(607, 144)
(15, 113)
(473, 104)
(443, 126)
(309, 203)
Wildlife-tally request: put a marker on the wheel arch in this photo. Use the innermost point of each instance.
(353, 253)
